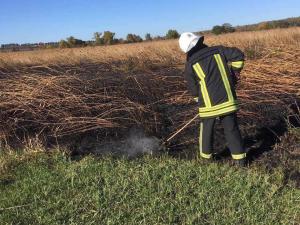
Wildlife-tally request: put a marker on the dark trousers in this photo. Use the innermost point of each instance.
(232, 135)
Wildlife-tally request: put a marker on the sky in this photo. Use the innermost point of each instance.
(29, 21)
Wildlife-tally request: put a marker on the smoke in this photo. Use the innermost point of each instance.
(136, 143)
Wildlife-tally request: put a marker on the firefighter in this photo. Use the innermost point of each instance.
(211, 74)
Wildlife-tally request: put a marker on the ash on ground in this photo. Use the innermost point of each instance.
(135, 144)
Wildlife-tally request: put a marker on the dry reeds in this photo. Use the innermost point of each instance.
(61, 93)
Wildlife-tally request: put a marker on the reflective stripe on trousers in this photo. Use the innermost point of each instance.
(232, 135)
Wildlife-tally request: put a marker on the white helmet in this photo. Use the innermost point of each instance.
(187, 41)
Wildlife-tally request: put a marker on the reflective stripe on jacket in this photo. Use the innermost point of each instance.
(209, 77)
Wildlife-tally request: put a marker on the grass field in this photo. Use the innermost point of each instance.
(57, 106)
(38, 188)
(255, 44)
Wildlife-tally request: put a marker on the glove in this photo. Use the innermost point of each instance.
(237, 75)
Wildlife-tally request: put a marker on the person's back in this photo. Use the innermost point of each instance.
(210, 74)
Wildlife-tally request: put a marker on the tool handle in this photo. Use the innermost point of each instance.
(181, 129)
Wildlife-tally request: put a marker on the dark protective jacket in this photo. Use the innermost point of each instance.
(209, 76)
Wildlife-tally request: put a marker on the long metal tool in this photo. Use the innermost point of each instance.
(181, 129)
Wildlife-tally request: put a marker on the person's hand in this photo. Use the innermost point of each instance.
(237, 75)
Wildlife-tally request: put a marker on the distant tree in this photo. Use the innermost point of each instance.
(50, 46)
(64, 44)
(282, 24)
(129, 38)
(79, 42)
(108, 37)
(225, 28)
(228, 28)
(293, 21)
(120, 41)
(217, 30)
(172, 34)
(148, 37)
(157, 38)
(264, 26)
(132, 38)
(73, 42)
(90, 43)
(98, 39)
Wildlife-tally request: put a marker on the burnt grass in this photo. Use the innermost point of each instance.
(271, 139)
(271, 134)
(270, 144)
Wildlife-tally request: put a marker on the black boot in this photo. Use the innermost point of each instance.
(241, 162)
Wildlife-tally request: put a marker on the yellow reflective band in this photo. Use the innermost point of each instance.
(205, 94)
(202, 84)
(199, 71)
(219, 112)
(206, 156)
(238, 64)
(239, 156)
(200, 137)
(203, 155)
(218, 107)
(224, 76)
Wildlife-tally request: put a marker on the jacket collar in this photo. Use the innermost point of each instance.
(200, 45)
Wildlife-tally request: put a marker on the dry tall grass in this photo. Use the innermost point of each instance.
(163, 52)
(55, 93)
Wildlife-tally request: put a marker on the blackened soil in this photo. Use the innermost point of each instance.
(267, 147)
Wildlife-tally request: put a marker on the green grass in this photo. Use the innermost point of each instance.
(37, 188)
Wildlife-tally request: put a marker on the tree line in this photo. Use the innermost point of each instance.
(108, 37)
(99, 38)
(267, 25)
